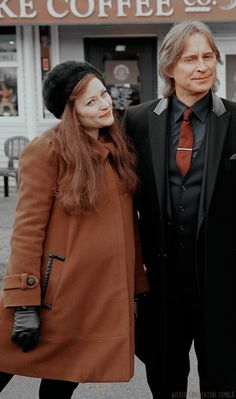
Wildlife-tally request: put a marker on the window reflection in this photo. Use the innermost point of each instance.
(8, 72)
(231, 77)
(45, 45)
(8, 92)
(8, 44)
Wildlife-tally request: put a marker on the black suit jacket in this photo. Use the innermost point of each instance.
(146, 124)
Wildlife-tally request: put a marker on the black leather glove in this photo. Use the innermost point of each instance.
(26, 327)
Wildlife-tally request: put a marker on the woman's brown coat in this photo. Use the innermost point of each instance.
(87, 335)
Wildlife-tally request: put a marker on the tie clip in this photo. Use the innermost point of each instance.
(184, 149)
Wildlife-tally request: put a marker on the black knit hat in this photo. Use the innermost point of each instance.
(60, 82)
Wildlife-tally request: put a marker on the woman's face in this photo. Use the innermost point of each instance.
(94, 107)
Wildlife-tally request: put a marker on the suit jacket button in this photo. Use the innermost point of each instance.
(181, 227)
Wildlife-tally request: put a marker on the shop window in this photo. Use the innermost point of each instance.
(8, 72)
(230, 61)
(45, 46)
(45, 56)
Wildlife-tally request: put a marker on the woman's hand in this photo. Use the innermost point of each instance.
(26, 327)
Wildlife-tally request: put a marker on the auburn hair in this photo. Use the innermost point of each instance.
(81, 169)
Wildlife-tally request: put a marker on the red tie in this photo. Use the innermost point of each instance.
(185, 145)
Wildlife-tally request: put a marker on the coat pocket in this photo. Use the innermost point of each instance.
(51, 280)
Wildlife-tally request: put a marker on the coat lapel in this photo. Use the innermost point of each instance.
(218, 126)
(158, 137)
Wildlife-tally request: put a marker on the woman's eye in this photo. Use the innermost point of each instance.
(104, 93)
(91, 102)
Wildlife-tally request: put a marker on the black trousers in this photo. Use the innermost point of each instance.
(168, 376)
(184, 326)
(48, 388)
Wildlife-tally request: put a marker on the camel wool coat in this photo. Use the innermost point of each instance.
(86, 332)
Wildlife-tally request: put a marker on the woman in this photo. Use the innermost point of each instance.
(67, 302)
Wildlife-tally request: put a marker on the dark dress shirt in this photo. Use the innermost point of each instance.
(199, 120)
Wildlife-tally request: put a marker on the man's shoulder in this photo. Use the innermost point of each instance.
(143, 107)
(229, 105)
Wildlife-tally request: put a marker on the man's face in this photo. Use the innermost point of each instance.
(195, 72)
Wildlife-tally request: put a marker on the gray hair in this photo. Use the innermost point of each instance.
(173, 47)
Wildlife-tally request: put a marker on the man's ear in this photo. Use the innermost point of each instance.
(169, 72)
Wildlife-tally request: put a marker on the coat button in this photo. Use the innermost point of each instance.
(30, 281)
(183, 188)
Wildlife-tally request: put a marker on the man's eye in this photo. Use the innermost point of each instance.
(188, 59)
(104, 93)
(209, 56)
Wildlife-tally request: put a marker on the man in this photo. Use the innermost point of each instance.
(187, 215)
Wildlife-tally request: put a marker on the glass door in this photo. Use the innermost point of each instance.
(129, 67)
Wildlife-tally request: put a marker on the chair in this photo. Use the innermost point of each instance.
(12, 148)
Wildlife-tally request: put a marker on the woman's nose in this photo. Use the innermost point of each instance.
(104, 103)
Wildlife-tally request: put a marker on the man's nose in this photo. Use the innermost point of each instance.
(201, 64)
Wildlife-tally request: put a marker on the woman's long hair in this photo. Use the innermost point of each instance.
(81, 163)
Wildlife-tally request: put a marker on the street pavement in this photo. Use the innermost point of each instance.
(27, 388)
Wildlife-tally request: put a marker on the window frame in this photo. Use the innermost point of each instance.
(18, 64)
(54, 54)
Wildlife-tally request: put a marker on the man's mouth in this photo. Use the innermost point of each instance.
(201, 78)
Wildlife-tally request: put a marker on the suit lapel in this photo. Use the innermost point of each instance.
(218, 127)
(217, 134)
(158, 137)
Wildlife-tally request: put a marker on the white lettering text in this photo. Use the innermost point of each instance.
(139, 8)
(75, 11)
(102, 5)
(23, 6)
(189, 3)
(120, 7)
(160, 8)
(6, 9)
(53, 12)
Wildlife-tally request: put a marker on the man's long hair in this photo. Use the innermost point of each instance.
(173, 47)
(81, 166)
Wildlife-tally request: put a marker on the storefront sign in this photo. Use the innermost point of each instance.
(113, 11)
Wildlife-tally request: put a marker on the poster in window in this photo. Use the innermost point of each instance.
(123, 82)
(8, 92)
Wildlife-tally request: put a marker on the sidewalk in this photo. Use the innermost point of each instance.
(27, 388)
